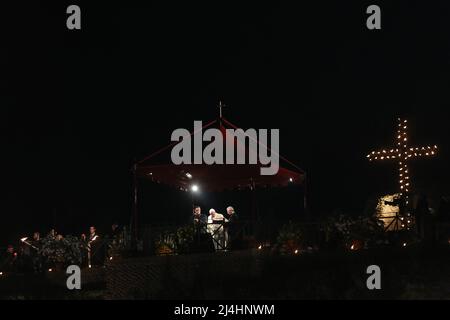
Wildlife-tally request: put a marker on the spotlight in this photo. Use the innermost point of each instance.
(188, 175)
(194, 188)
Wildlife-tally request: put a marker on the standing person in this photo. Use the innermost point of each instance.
(232, 218)
(84, 250)
(92, 233)
(10, 260)
(36, 237)
(94, 246)
(202, 241)
(52, 234)
(35, 253)
(199, 219)
(426, 221)
(216, 229)
(115, 231)
(231, 215)
(421, 215)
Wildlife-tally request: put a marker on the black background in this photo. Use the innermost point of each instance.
(78, 106)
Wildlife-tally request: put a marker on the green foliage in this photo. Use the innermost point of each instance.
(345, 228)
(185, 238)
(66, 251)
(290, 238)
(177, 241)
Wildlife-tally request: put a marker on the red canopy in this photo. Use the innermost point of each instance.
(218, 177)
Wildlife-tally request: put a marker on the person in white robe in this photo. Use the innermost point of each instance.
(216, 229)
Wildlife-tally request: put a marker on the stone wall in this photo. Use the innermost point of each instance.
(411, 273)
(203, 276)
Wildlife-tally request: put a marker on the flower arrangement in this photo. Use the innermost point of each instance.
(177, 241)
(165, 244)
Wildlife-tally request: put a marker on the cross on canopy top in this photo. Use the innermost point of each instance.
(221, 106)
(402, 154)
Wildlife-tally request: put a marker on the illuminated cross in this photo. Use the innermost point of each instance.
(402, 155)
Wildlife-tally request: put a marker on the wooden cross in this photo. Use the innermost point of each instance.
(402, 154)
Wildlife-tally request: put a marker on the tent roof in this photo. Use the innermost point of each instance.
(218, 177)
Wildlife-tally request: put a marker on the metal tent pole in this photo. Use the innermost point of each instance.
(135, 203)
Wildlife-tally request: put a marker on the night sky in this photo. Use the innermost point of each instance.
(78, 106)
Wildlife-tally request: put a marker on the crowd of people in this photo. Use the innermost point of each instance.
(216, 227)
(32, 254)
